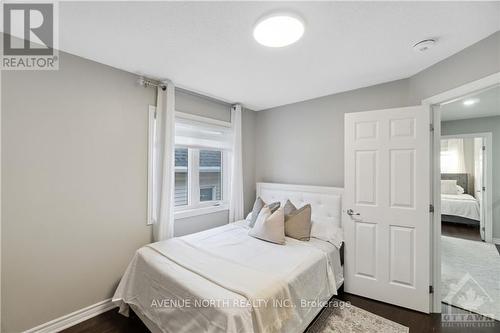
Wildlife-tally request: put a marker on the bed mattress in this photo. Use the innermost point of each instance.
(462, 205)
(171, 297)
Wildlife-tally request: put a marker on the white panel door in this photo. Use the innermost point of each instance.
(386, 206)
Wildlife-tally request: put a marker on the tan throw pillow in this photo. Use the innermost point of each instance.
(269, 226)
(257, 206)
(298, 221)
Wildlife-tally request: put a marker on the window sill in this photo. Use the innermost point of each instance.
(182, 214)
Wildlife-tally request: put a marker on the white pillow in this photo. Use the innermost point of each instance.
(270, 226)
(460, 190)
(449, 186)
(328, 229)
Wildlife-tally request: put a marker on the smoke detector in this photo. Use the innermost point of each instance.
(424, 45)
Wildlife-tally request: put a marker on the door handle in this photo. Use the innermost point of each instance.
(350, 212)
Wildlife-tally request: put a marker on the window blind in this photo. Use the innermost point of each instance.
(193, 133)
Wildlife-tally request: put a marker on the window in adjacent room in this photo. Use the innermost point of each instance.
(452, 156)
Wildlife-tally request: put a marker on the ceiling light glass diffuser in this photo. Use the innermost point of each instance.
(278, 30)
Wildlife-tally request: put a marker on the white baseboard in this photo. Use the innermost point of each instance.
(73, 318)
(496, 240)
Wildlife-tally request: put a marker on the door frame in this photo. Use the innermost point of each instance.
(487, 205)
(435, 178)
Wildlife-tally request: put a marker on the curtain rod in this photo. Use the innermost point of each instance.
(145, 82)
(151, 83)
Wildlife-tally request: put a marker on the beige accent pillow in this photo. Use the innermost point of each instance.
(270, 226)
(298, 221)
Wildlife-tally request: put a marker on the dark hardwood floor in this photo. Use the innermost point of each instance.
(450, 320)
(460, 231)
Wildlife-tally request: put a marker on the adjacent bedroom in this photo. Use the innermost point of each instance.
(469, 158)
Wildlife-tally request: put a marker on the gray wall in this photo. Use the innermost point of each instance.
(475, 62)
(193, 224)
(74, 152)
(189, 102)
(74, 171)
(478, 125)
(303, 143)
(249, 162)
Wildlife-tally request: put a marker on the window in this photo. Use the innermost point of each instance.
(202, 169)
(181, 176)
(199, 177)
(452, 156)
(210, 171)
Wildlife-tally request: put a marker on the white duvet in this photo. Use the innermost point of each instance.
(222, 280)
(463, 205)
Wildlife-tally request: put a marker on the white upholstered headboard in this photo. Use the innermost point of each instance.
(326, 202)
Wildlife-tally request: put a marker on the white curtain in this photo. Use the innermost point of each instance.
(165, 107)
(452, 156)
(236, 185)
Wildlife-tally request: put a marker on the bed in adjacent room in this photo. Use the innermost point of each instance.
(224, 280)
(457, 204)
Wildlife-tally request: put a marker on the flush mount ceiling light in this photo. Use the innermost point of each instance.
(278, 30)
(424, 45)
(470, 101)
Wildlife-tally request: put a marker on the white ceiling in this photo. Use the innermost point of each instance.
(488, 105)
(208, 46)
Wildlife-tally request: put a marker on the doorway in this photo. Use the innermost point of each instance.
(466, 262)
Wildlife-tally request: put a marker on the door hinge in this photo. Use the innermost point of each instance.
(484, 188)
(431, 208)
(431, 290)
(484, 147)
(431, 127)
(156, 114)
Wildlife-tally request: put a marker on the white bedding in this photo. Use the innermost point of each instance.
(310, 271)
(463, 205)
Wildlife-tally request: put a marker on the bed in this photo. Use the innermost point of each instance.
(460, 208)
(222, 280)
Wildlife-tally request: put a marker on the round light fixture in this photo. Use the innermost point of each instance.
(278, 30)
(470, 101)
